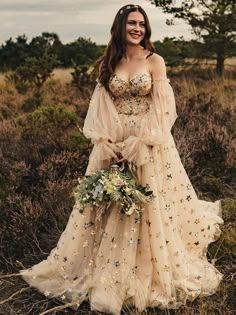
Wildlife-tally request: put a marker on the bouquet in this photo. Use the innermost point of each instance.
(107, 186)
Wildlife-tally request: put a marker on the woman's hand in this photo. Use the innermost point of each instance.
(111, 148)
(122, 160)
(120, 146)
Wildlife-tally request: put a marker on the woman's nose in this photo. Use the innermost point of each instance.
(137, 27)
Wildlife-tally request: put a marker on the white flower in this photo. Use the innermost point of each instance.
(131, 209)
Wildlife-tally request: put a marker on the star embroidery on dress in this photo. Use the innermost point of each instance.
(85, 243)
(104, 234)
(162, 192)
(75, 225)
(167, 207)
(188, 187)
(56, 256)
(167, 165)
(196, 243)
(197, 221)
(166, 268)
(132, 123)
(117, 263)
(188, 197)
(136, 220)
(181, 200)
(169, 177)
(65, 259)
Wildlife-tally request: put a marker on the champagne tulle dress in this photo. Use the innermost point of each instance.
(157, 260)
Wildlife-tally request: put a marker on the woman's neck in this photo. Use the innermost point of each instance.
(133, 51)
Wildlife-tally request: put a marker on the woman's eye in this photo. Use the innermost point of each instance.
(133, 23)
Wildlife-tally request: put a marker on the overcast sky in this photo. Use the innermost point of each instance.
(71, 19)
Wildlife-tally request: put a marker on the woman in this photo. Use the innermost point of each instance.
(159, 259)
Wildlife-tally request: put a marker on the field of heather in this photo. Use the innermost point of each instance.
(42, 154)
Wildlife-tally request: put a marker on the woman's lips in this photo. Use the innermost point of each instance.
(135, 35)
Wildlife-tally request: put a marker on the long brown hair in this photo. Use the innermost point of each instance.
(116, 47)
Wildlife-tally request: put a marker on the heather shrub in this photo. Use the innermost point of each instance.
(42, 155)
(48, 130)
(226, 245)
(204, 134)
(33, 102)
(83, 78)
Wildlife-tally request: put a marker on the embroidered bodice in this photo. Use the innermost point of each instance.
(131, 97)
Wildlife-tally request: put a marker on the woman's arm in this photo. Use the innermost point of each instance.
(156, 127)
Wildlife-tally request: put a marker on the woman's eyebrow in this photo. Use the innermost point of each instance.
(130, 20)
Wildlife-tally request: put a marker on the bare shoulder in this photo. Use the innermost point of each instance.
(156, 60)
(157, 65)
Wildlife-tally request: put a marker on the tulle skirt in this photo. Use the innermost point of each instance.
(156, 260)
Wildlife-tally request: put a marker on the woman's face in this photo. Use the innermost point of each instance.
(135, 28)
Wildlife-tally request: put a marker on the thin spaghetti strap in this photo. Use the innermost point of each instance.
(150, 54)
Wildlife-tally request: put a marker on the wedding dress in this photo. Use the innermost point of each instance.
(157, 260)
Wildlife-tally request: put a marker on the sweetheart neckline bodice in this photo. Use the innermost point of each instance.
(132, 78)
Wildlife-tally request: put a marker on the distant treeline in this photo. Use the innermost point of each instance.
(83, 51)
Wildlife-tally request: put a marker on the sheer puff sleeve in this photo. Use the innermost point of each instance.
(102, 124)
(156, 127)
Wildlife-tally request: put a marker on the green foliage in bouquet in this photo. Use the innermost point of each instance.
(112, 186)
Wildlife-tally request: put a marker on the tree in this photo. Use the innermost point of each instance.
(175, 50)
(212, 21)
(81, 52)
(13, 53)
(46, 43)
